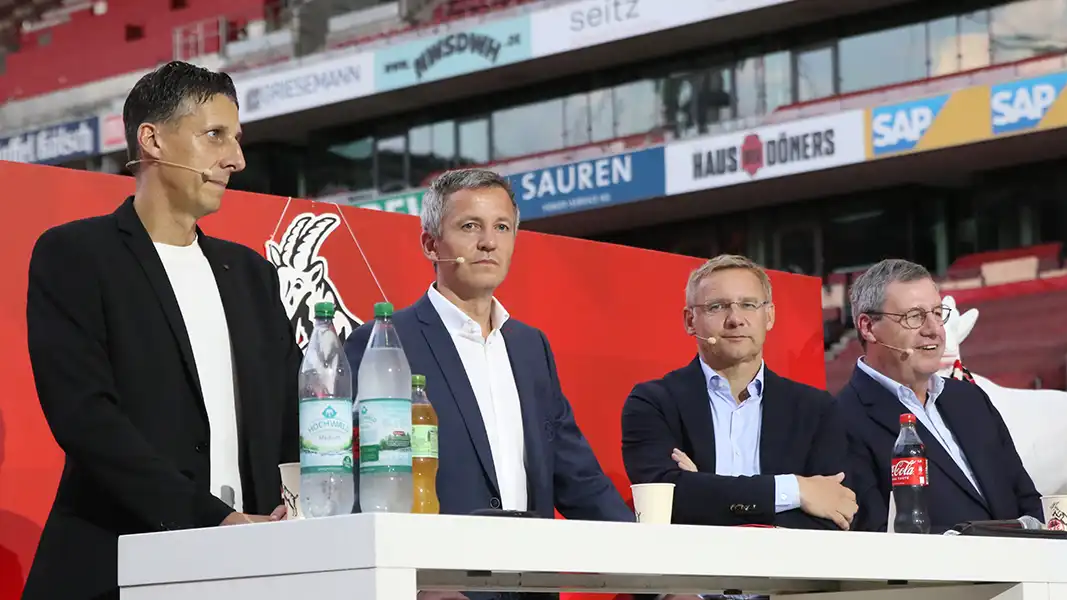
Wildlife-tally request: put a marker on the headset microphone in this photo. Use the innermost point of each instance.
(907, 352)
(204, 173)
(711, 340)
(459, 260)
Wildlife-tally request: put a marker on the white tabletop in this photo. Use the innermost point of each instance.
(469, 551)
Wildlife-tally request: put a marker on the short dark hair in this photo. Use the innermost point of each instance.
(164, 94)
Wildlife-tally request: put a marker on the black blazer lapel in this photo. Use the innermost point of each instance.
(521, 355)
(444, 352)
(239, 321)
(136, 239)
(885, 409)
(954, 411)
(691, 391)
(777, 414)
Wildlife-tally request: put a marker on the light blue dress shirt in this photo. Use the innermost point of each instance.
(928, 414)
(737, 428)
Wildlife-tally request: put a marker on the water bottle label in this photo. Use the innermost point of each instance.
(909, 471)
(423, 441)
(325, 435)
(384, 435)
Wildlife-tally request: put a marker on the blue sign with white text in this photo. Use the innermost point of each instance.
(488, 45)
(1021, 105)
(589, 184)
(55, 144)
(899, 127)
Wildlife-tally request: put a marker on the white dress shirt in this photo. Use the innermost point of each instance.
(738, 429)
(198, 298)
(488, 367)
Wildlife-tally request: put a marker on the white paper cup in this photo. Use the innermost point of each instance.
(1055, 509)
(291, 489)
(653, 502)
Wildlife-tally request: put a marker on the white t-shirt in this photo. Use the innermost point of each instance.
(198, 297)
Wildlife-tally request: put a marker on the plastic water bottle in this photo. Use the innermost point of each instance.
(384, 405)
(326, 476)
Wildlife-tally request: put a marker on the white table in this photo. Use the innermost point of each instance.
(390, 556)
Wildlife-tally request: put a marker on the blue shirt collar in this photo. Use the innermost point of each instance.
(715, 381)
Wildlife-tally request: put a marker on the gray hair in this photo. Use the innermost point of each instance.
(450, 182)
(868, 290)
(722, 263)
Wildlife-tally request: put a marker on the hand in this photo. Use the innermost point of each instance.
(279, 513)
(685, 464)
(236, 518)
(441, 596)
(827, 498)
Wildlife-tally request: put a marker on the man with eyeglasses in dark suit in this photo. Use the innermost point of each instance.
(743, 445)
(975, 472)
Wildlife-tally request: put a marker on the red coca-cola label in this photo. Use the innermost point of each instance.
(908, 471)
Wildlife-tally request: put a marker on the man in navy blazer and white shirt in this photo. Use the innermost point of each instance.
(975, 472)
(508, 439)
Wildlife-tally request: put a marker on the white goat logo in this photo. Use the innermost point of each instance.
(304, 275)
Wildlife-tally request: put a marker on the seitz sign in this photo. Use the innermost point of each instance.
(773, 151)
(574, 25)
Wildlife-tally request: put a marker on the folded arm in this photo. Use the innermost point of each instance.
(67, 339)
(699, 498)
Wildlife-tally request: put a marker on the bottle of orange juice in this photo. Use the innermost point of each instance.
(423, 449)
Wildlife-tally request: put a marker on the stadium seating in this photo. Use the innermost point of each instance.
(127, 36)
(1018, 341)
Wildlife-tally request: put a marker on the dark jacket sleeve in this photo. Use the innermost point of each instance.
(827, 456)
(699, 498)
(67, 339)
(863, 474)
(582, 490)
(293, 357)
(1026, 493)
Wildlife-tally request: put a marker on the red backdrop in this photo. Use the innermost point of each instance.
(613, 315)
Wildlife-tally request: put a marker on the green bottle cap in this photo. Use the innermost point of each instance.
(418, 381)
(324, 310)
(383, 309)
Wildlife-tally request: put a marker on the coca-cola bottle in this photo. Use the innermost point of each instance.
(909, 477)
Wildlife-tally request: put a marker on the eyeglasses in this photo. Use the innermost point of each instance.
(745, 306)
(914, 318)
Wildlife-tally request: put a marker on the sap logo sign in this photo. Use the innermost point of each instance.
(1021, 105)
(899, 127)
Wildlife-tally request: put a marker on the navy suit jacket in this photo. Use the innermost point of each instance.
(562, 472)
(872, 414)
(801, 434)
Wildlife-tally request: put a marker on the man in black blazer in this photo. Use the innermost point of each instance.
(770, 451)
(975, 473)
(508, 439)
(163, 358)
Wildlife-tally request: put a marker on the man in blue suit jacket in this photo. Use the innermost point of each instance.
(770, 451)
(507, 436)
(975, 472)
